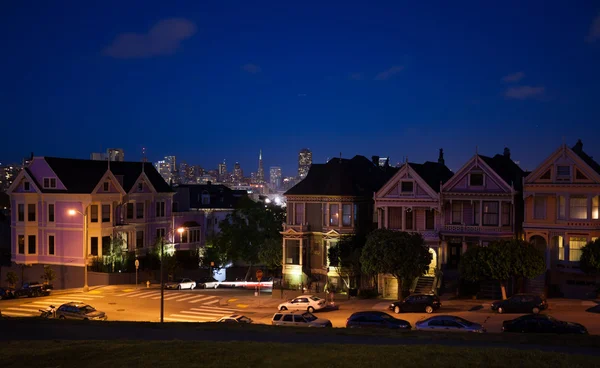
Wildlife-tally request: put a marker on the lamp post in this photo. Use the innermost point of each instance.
(162, 282)
(73, 212)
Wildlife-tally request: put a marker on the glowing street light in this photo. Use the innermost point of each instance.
(73, 212)
(162, 281)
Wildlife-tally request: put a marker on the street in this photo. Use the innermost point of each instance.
(126, 303)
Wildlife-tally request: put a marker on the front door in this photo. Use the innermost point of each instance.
(454, 250)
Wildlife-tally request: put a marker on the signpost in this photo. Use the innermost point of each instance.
(137, 266)
(259, 275)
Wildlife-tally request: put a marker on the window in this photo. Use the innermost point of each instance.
(139, 210)
(94, 213)
(160, 233)
(562, 207)
(578, 208)
(561, 248)
(563, 173)
(298, 213)
(476, 180)
(408, 219)
(505, 214)
(595, 207)
(94, 245)
(106, 186)
(346, 214)
(139, 239)
(490, 213)
(105, 245)
(429, 219)
(26, 186)
(456, 213)
(160, 209)
(51, 212)
(334, 215)
(476, 214)
(106, 213)
(31, 248)
(194, 235)
(49, 183)
(20, 212)
(575, 245)
(406, 187)
(129, 210)
(292, 251)
(355, 213)
(539, 208)
(51, 245)
(21, 244)
(140, 187)
(31, 212)
(184, 236)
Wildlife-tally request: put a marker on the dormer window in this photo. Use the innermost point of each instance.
(26, 185)
(140, 187)
(476, 180)
(106, 186)
(407, 187)
(563, 173)
(49, 183)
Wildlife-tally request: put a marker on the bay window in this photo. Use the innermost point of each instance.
(457, 213)
(346, 214)
(578, 208)
(595, 207)
(334, 215)
(490, 213)
(575, 245)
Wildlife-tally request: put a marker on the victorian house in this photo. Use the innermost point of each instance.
(481, 203)
(65, 211)
(410, 201)
(562, 198)
(335, 199)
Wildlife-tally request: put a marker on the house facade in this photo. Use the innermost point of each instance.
(334, 200)
(52, 197)
(481, 203)
(562, 198)
(410, 201)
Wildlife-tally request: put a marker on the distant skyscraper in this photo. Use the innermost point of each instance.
(275, 177)
(238, 174)
(383, 160)
(304, 162)
(113, 154)
(260, 175)
(222, 171)
(167, 169)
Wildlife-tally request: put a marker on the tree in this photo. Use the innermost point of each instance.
(501, 261)
(401, 254)
(271, 254)
(115, 252)
(590, 258)
(12, 278)
(345, 257)
(49, 275)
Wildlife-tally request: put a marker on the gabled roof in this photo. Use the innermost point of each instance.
(432, 173)
(82, 176)
(358, 177)
(507, 169)
(220, 195)
(578, 149)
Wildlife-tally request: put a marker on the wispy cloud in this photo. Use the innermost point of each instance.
(594, 34)
(164, 38)
(524, 92)
(356, 76)
(387, 74)
(512, 78)
(251, 68)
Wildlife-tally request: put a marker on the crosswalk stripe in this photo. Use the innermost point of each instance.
(178, 320)
(209, 314)
(134, 295)
(18, 309)
(172, 297)
(201, 299)
(194, 317)
(186, 298)
(148, 295)
(16, 314)
(36, 307)
(215, 309)
(212, 302)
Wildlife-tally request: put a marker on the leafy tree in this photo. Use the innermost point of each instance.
(115, 254)
(271, 254)
(401, 254)
(345, 257)
(12, 278)
(501, 261)
(49, 275)
(590, 258)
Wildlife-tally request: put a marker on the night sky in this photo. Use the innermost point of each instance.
(214, 80)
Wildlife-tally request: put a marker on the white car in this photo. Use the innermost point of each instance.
(181, 284)
(308, 303)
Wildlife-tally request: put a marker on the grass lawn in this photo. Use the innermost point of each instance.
(182, 354)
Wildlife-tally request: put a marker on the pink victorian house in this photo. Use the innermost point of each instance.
(51, 198)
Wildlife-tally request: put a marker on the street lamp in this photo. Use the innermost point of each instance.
(73, 212)
(162, 282)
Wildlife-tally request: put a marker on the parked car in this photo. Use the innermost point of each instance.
(298, 319)
(33, 289)
(449, 324)
(521, 303)
(375, 319)
(181, 284)
(538, 323)
(236, 318)
(308, 303)
(207, 283)
(80, 311)
(417, 303)
(6, 293)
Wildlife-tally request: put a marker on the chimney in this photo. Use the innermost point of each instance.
(375, 160)
(441, 160)
(578, 146)
(506, 152)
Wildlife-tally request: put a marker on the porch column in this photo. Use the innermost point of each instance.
(402, 210)
(464, 247)
(548, 257)
(300, 259)
(284, 260)
(385, 217)
(444, 252)
(480, 212)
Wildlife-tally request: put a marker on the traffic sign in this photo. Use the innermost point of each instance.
(259, 275)
(137, 264)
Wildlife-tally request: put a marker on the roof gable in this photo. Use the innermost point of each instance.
(18, 184)
(113, 185)
(413, 173)
(582, 168)
(142, 185)
(492, 181)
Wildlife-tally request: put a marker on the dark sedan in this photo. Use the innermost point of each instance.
(374, 319)
(417, 303)
(521, 303)
(535, 323)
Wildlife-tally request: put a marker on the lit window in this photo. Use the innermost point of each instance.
(562, 208)
(334, 215)
(575, 245)
(561, 248)
(578, 208)
(595, 207)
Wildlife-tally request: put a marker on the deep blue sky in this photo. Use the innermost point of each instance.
(222, 79)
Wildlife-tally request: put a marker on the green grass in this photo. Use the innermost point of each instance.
(182, 354)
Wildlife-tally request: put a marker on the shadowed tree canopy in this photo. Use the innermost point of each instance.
(345, 257)
(590, 258)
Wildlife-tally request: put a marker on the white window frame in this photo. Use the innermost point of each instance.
(50, 185)
(24, 244)
(27, 244)
(48, 245)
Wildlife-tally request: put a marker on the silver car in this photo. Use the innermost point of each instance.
(79, 311)
(299, 319)
(449, 324)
